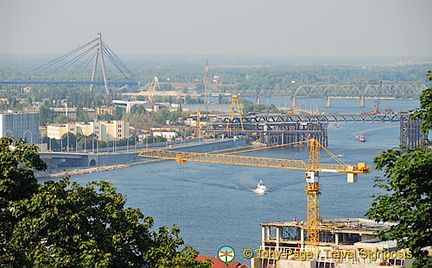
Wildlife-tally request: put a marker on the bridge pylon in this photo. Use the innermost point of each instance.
(99, 52)
(77, 62)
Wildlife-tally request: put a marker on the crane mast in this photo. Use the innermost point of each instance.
(312, 169)
(313, 194)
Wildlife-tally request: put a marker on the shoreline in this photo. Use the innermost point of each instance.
(44, 175)
(87, 170)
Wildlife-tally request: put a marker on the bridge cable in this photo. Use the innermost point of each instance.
(52, 62)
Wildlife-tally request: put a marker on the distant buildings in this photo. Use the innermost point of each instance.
(20, 126)
(148, 106)
(168, 132)
(71, 112)
(103, 130)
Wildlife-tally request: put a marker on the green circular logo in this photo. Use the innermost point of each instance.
(226, 254)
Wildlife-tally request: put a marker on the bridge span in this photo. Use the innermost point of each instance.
(57, 160)
(382, 90)
(99, 83)
(286, 128)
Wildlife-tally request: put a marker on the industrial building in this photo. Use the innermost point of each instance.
(20, 126)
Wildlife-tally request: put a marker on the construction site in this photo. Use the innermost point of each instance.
(342, 243)
(316, 242)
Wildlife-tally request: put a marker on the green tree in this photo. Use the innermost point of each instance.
(425, 111)
(81, 115)
(408, 193)
(17, 182)
(63, 224)
(408, 200)
(118, 113)
(46, 115)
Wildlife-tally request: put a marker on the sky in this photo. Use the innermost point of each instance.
(339, 28)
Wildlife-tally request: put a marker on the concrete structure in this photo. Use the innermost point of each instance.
(349, 243)
(20, 126)
(104, 130)
(86, 128)
(66, 111)
(113, 130)
(128, 104)
(148, 106)
(57, 131)
(124, 154)
(71, 112)
(105, 110)
(169, 135)
(284, 128)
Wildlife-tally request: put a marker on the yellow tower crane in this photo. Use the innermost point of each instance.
(236, 110)
(312, 168)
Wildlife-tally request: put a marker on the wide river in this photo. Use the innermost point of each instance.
(213, 203)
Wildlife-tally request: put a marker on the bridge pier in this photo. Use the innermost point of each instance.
(328, 102)
(54, 163)
(362, 101)
(411, 135)
(291, 133)
(293, 101)
(92, 160)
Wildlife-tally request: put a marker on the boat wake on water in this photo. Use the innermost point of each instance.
(261, 188)
(215, 184)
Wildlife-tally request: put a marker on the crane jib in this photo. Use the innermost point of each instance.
(183, 157)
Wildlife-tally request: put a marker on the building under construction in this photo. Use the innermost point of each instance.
(342, 243)
(267, 129)
(315, 242)
(270, 133)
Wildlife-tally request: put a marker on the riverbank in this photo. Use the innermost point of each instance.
(78, 171)
(86, 170)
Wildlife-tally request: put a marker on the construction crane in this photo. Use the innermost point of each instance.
(312, 168)
(198, 123)
(236, 110)
(295, 108)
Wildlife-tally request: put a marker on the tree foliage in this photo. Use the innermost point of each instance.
(408, 193)
(17, 182)
(63, 224)
(408, 199)
(17, 161)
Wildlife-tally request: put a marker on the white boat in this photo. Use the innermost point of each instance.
(261, 188)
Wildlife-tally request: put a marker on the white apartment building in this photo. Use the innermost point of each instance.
(56, 131)
(104, 130)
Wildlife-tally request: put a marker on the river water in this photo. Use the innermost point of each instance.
(213, 203)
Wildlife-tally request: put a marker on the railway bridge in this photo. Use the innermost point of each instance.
(329, 91)
(286, 128)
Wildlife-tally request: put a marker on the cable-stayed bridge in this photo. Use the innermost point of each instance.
(76, 64)
(80, 66)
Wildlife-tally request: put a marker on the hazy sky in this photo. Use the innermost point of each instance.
(222, 27)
